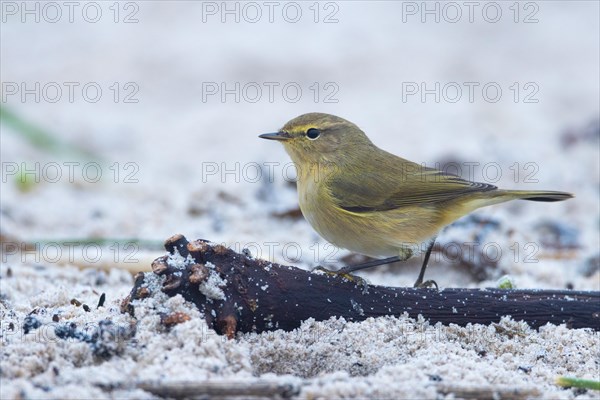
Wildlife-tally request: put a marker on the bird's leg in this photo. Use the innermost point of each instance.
(419, 283)
(346, 271)
(373, 263)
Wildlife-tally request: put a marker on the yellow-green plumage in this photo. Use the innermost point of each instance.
(362, 198)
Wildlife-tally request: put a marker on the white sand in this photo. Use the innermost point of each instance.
(172, 142)
(383, 357)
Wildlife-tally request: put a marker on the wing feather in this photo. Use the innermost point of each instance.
(409, 186)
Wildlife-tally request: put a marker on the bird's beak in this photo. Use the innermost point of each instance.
(275, 136)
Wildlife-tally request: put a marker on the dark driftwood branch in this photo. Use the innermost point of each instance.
(241, 294)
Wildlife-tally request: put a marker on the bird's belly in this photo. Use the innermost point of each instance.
(376, 234)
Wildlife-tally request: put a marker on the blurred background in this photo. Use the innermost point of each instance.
(127, 122)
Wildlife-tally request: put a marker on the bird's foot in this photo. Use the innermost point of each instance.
(342, 274)
(426, 284)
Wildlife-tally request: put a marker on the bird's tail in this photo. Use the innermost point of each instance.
(533, 195)
(492, 197)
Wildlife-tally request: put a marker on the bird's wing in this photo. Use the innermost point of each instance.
(406, 186)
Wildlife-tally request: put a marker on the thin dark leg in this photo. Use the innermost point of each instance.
(352, 268)
(419, 282)
(374, 263)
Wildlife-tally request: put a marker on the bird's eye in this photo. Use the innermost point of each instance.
(313, 133)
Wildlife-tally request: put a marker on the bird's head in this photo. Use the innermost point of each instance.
(320, 138)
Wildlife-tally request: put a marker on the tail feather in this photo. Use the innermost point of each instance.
(537, 195)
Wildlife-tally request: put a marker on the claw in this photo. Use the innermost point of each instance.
(352, 278)
(427, 284)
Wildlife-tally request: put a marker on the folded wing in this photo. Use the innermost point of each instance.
(408, 185)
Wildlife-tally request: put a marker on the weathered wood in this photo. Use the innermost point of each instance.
(504, 392)
(219, 389)
(237, 293)
(268, 389)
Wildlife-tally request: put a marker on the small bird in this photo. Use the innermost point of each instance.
(364, 199)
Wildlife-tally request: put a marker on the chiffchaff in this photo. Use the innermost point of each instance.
(364, 199)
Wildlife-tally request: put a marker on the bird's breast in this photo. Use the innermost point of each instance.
(359, 233)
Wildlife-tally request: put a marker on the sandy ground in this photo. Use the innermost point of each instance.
(175, 144)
